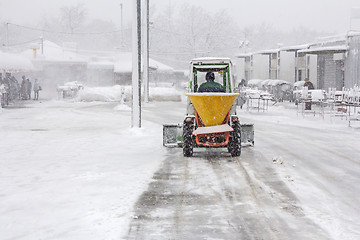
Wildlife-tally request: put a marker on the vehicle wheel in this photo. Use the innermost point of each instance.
(188, 139)
(234, 145)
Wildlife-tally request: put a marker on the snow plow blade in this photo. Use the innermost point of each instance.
(247, 134)
(212, 107)
(172, 135)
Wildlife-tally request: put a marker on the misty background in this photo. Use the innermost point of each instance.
(179, 30)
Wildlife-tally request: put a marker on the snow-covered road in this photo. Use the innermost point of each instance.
(214, 196)
(77, 171)
(300, 181)
(321, 165)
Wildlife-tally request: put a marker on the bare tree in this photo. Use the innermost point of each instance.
(193, 32)
(73, 17)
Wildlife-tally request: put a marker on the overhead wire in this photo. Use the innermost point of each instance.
(23, 43)
(201, 35)
(67, 33)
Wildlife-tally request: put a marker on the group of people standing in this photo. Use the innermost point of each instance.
(11, 90)
(26, 88)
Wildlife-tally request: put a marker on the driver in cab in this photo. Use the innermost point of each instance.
(210, 85)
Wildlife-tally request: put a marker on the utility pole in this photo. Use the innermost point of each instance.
(121, 26)
(296, 63)
(42, 45)
(7, 35)
(136, 65)
(146, 50)
(307, 63)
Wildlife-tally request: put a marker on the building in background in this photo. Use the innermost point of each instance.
(330, 63)
(159, 73)
(352, 61)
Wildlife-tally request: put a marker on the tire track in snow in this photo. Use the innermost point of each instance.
(214, 196)
(239, 198)
(316, 167)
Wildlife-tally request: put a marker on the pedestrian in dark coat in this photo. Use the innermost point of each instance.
(308, 84)
(23, 88)
(28, 88)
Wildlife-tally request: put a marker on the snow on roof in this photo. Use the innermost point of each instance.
(211, 66)
(331, 49)
(244, 55)
(124, 64)
(267, 52)
(295, 48)
(160, 66)
(330, 39)
(54, 52)
(211, 59)
(10, 62)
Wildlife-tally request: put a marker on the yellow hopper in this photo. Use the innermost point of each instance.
(212, 107)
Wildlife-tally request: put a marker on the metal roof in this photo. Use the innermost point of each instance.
(295, 48)
(267, 52)
(211, 60)
(322, 50)
(244, 55)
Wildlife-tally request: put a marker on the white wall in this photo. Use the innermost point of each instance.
(287, 66)
(261, 67)
(313, 70)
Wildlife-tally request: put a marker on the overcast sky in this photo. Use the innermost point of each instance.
(326, 15)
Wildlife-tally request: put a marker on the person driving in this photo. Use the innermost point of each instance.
(210, 85)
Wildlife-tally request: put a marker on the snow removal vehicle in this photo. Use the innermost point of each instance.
(211, 119)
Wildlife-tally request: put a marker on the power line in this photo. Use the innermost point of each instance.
(174, 53)
(61, 32)
(172, 59)
(198, 35)
(23, 43)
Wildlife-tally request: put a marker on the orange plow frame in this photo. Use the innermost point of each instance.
(226, 135)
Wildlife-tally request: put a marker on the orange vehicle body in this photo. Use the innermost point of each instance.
(224, 135)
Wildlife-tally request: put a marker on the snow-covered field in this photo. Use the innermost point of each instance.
(74, 170)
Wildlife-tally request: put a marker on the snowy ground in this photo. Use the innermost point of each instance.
(72, 170)
(319, 160)
(75, 170)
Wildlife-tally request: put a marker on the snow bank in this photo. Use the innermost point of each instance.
(116, 93)
(14, 63)
(122, 107)
(79, 172)
(103, 94)
(164, 94)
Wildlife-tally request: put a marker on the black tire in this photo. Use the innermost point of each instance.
(188, 147)
(234, 145)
